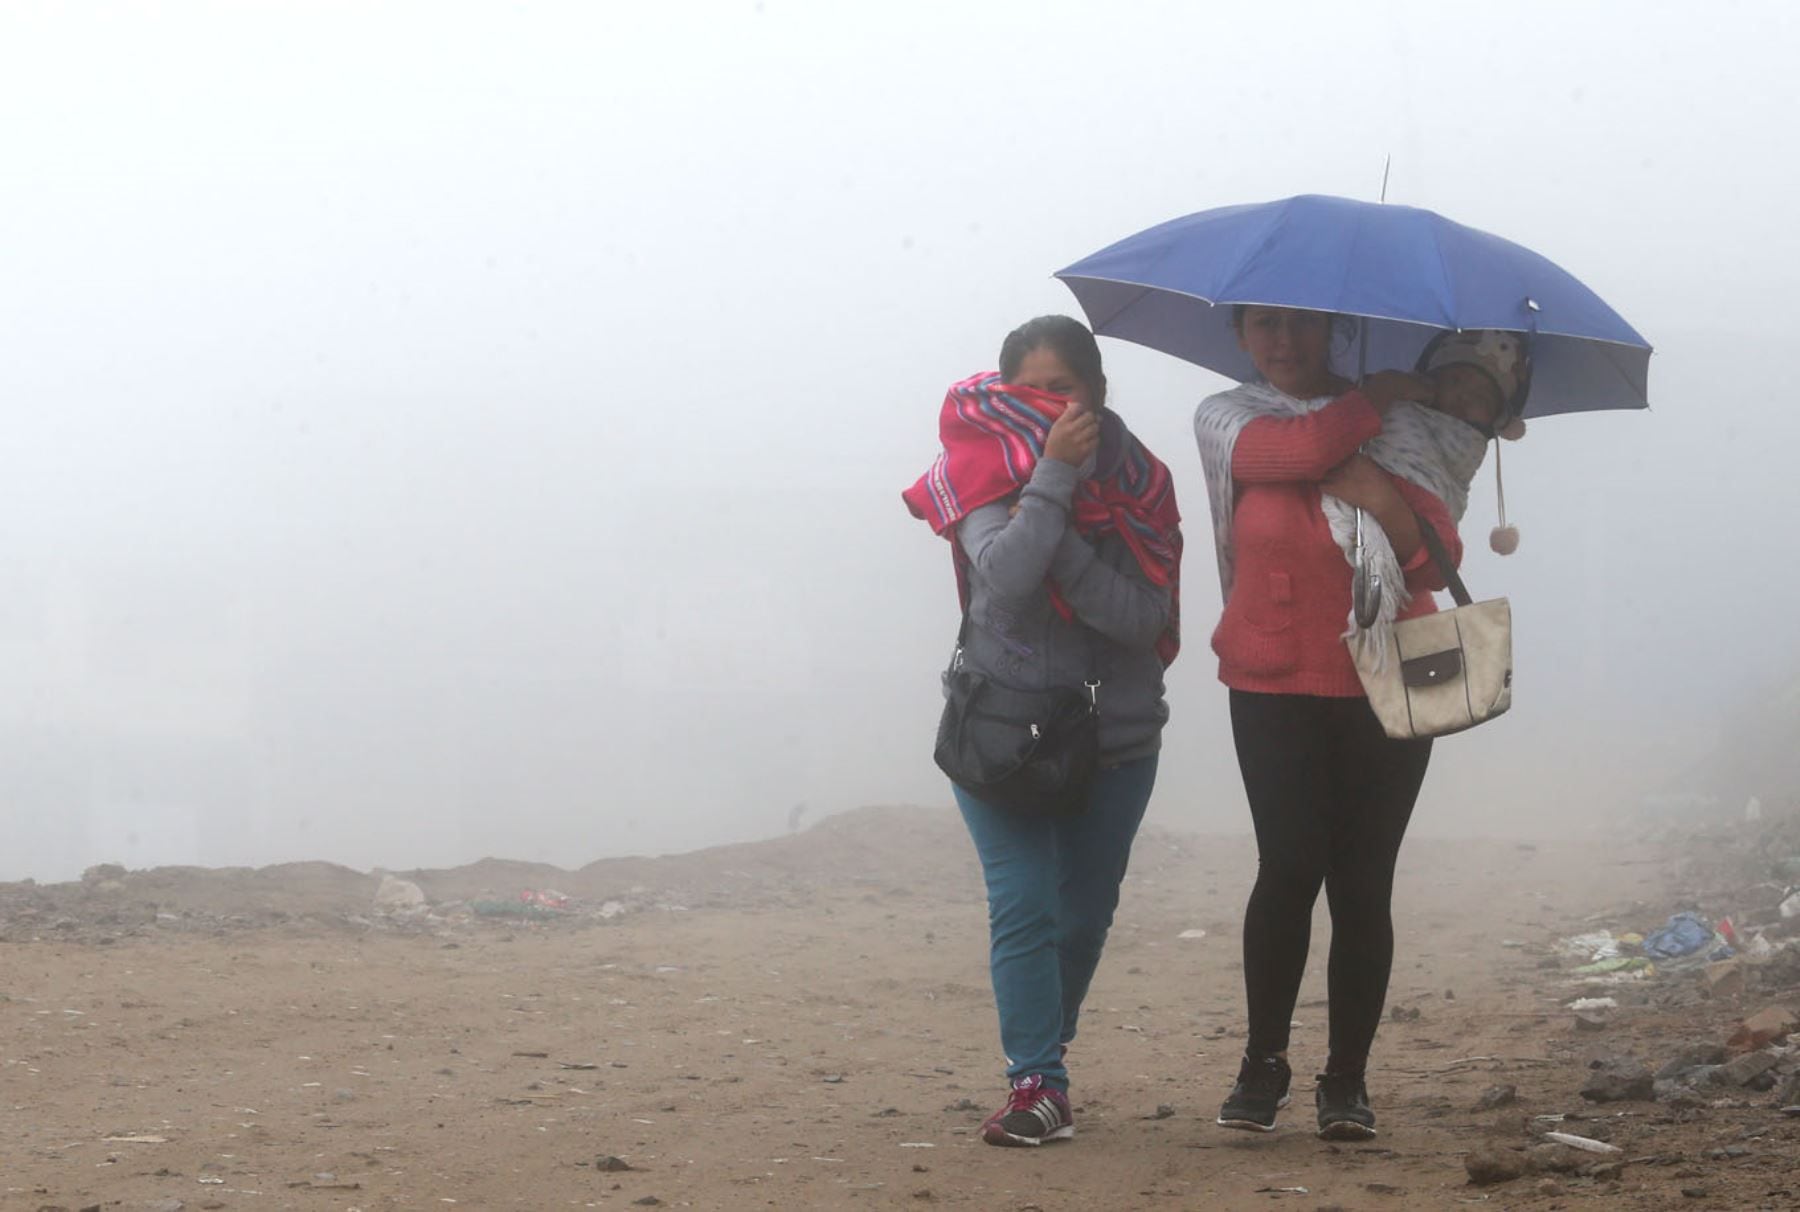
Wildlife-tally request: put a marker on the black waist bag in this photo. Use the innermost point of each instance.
(1030, 751)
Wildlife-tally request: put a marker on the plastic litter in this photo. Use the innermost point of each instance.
(1598, 945)
(1618, 964)
(1593, 1003)
(1584, 1143)
(1684, 934)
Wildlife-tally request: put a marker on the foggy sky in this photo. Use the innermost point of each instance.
(454, 429)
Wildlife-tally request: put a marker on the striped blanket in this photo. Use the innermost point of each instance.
(993, 436)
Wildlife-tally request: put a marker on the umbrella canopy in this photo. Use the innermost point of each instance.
(1405, 273)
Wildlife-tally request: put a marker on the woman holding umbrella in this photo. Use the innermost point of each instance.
(1330, 793)
(1253, 292)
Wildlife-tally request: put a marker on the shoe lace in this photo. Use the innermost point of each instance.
(1025, 1094)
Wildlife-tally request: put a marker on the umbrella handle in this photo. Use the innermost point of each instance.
(1365, 586)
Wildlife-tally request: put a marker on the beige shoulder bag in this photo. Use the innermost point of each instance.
(1444, 672)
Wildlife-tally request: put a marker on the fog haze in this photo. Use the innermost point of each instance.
(453, 429)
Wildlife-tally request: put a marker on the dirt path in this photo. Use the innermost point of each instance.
(829, 1044)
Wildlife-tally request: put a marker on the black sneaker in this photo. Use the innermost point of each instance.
(1261, 1091)
(1033, 1115)
(1344, 1113)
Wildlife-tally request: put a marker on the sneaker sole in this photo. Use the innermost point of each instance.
(1346, 1130)
(1006, 1140)
(1250, 1125)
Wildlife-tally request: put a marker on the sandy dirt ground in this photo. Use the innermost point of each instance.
(806, 1023)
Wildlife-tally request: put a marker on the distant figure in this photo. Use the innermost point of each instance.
(1067, 546)
(794, 815)
(1330, 793)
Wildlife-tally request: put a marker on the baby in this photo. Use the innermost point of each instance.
(1482, 377)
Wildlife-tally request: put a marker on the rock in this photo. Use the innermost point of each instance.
(1694, 1192)
(398, 895)
(606, 1163)
(1768, 1026)
(103, 873)
(1790, 1091)
(1617, 1081)
(1555, 1159)
(649, 1201)
(1490, 1164)
(1606, 1171)
(1550, 1188)
(1723, 979)
(1747, 1068)
(1496, 1097)
(1692, 1057)
(1163, 1111)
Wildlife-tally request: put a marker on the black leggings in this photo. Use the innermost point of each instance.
(1330, 794)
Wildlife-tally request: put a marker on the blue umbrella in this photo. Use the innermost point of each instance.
(1406, 273)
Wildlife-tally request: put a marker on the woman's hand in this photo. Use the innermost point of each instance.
(1385, 388)
(1360, 482)
(1074, 436)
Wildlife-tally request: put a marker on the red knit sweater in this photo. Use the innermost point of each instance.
(1283, 626)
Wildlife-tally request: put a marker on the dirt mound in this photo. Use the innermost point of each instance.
(894, 851)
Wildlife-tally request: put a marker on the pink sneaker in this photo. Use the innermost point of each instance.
(1034, 1114)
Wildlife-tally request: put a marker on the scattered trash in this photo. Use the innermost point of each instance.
(1584, 1143)
(513, 909)
(917, 1144)
(549, 900)
(135, 1140)
(1618, 965)
(611, 909)
(1684, 934)
(1282, 1191)
(1192, 934)
(1593, 1003)
(1593, 947)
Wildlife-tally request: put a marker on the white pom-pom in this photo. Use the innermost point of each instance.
(1504, 539)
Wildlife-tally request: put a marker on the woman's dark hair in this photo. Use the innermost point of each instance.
(1068, 338)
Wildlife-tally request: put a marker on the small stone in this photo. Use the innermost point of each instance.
(1163, 1111)
(1692, 1057)
(1747, 1068)
(606, 1163)
(1768, 1026)
(1550, 1188)
(1723, 979)
(1496, 1097)
(1555, 1159)
(649, 1201)
(1694, 1192)
(1606, 1171)
(964, 1104)
(1621, 1080)
(833, 1079)
(1489, 1165)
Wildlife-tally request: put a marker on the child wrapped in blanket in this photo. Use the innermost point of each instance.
(1482, 378)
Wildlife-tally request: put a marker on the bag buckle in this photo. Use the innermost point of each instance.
(1093, 689)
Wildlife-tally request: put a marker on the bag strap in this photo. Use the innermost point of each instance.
(1091, 681)
(1441, 558)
